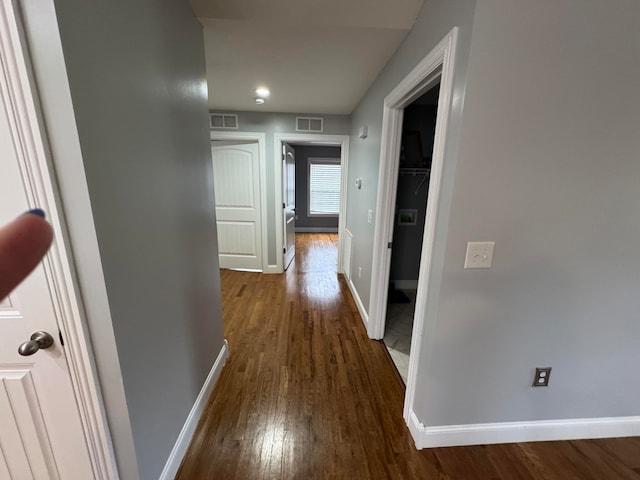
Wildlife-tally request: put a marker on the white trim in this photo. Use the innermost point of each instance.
(186, 434)
(261, 139)
(343, 141)
(316, 230)
(346, 258)
(40, 190)
(437, 65)
(358, 300)
(515, 432)
(272, 270)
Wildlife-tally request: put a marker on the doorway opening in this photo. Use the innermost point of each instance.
(311, 188)
(437, 67)
(317, 185)
(412, 190)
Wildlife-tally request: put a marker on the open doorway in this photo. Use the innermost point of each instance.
(436, 67)
(416, 150)
(319, 179)
(317, 175)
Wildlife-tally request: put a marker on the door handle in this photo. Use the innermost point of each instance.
(38, 340)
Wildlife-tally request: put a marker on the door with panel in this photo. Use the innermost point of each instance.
(41, 432)
(236, 184)
(289, 203)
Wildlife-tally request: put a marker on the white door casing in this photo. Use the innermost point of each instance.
(338, 140)
(288, 203)
(437, 65)
(236, 177)
(64, 433)
(41, 434)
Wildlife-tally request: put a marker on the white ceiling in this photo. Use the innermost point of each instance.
(315, 56)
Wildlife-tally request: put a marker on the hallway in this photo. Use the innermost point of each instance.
(300, 396)
(306, 395)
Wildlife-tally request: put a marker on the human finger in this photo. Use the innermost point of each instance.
(23, 243)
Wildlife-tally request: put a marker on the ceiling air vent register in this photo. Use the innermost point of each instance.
(223, 120)
(309, 124)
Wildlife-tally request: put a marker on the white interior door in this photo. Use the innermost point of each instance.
(289, 203)
(236, 180)
(41, 435)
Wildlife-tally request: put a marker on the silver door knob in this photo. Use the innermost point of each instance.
(38, 340)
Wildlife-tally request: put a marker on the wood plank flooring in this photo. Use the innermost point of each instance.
(306, 394)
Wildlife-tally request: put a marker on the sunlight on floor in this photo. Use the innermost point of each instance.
(314, 268)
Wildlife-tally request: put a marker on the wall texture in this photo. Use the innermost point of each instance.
(544, 163)
(303, 153)
(137, 79)
(548, 169)
(270, 124)
(435, 20)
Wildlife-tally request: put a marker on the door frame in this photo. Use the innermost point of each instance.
(262, 162)
(338, 140)
(438, 65)
(31, 148)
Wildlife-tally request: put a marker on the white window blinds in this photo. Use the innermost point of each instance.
(324, 187)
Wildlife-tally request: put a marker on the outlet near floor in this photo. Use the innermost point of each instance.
(541, 378)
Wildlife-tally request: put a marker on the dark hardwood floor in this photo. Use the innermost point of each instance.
(305, 394)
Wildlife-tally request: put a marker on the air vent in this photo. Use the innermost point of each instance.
(309, 124)
(223, 120)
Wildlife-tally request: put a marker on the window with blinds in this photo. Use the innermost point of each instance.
(324, 187)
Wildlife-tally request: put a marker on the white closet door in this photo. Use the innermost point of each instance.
(236, 178)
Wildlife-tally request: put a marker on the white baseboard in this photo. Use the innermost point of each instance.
(316, 230)
(356, 298)
(182, 443)
(272, 270)
(515, 432)
(405, 284)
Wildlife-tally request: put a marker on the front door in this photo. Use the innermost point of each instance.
(236, 184)
(289, 202)
(41, 435)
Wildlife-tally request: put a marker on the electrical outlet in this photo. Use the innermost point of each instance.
(359, 272)
(479, 255)
(369, 216)
(541, 378)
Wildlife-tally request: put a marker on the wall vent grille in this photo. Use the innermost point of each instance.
(309, 124)
(223, 120)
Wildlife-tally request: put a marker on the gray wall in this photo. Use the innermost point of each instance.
(435, 20)
(548, 169)
(271, 123)
(544, 159)
(137, 78)
(303, 152)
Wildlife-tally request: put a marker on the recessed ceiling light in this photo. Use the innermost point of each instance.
(262, 92)
(259, 101)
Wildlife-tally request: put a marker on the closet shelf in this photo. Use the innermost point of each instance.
(414, 171)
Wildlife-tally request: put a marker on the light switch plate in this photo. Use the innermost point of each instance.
(479, 255)
(369, 216)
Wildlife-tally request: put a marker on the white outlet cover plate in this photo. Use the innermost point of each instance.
(479, 255)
